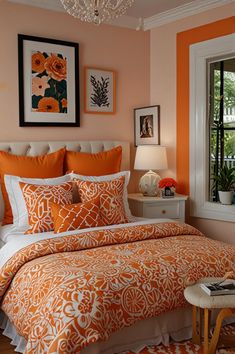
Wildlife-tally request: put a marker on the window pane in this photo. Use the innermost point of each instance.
(221, 119)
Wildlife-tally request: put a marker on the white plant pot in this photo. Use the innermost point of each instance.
(226, 197)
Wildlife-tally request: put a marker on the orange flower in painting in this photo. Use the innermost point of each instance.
(39, 85)
(56, 67)
(64, 103)
(38, 62)
(48, 104)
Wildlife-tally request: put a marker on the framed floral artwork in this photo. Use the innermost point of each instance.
(147, 125)
(100, 91)
(48, 82)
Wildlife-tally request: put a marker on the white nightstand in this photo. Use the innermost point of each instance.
(156, 207)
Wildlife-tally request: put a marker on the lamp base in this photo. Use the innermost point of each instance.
(148, 184)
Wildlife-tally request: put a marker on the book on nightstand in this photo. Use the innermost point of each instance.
(227, 287)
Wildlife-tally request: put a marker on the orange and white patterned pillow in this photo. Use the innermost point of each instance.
(38, 199)
(111, 192)
(76, 216)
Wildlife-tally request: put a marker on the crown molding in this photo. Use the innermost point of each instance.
(183, 11)
(163, 18)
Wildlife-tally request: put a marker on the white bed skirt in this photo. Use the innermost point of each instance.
(10, 332)
(176, 325)
(153, 331)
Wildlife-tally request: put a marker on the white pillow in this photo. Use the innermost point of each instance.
(106, 178)
(16, 199)
(5, 231)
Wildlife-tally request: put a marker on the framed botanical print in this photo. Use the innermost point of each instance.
(147, 125)
(48, 82)
(100, 91)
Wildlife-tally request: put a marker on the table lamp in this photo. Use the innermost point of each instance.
(150, 157)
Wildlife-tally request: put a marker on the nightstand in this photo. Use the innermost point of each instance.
(156, 207)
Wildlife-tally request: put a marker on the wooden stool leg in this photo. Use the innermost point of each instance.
(206, 330)
(215, 338)
(201, 314)
(196, 335)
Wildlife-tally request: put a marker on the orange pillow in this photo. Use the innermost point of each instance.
(38, 198)
(101, 163)
(111, 192)
(44, 166)
(76, 216)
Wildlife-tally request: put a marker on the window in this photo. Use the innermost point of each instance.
(212, 123)
(221, 114)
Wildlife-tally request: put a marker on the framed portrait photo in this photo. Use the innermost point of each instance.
(100, 91)
(147, 125)
(48, 82)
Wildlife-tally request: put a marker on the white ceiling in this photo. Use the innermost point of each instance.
(145, 14)
(148, 8)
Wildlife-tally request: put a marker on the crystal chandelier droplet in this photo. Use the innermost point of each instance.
(96, 11)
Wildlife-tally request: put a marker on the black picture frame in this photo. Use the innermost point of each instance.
(53, 98)
(147, 125)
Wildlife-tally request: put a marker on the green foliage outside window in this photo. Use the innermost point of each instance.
(222, 122)
(229, 103)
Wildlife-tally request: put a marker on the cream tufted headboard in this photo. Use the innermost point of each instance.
(44, 147)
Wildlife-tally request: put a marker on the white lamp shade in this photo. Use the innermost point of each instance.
(150, 157)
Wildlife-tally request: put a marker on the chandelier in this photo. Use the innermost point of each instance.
(96, 11)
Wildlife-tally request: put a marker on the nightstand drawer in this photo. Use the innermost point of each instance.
(156, 207)
(162, 210)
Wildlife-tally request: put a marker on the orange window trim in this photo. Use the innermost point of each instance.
(184, 40)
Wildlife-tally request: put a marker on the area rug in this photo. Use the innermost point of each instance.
(186, 347)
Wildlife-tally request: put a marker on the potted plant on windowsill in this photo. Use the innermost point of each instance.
(225, 180)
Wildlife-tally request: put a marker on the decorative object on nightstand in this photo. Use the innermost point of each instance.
(167, 186)
(150, 157)
(157, 207)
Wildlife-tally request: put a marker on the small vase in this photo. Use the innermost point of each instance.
(226, 197)
(168, 192)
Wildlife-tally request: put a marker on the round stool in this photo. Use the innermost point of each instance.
(204, 304)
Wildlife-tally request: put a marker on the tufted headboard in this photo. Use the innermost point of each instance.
(32, 148)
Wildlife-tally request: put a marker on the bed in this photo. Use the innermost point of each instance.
(105, 289)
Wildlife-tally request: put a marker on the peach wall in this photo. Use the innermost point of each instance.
(163, 92)
(125, 50)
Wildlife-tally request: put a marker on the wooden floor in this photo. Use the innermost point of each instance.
(5, 347)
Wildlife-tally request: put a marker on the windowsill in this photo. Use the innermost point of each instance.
(217, 211)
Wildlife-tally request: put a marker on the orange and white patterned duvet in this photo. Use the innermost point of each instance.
(67, 292)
